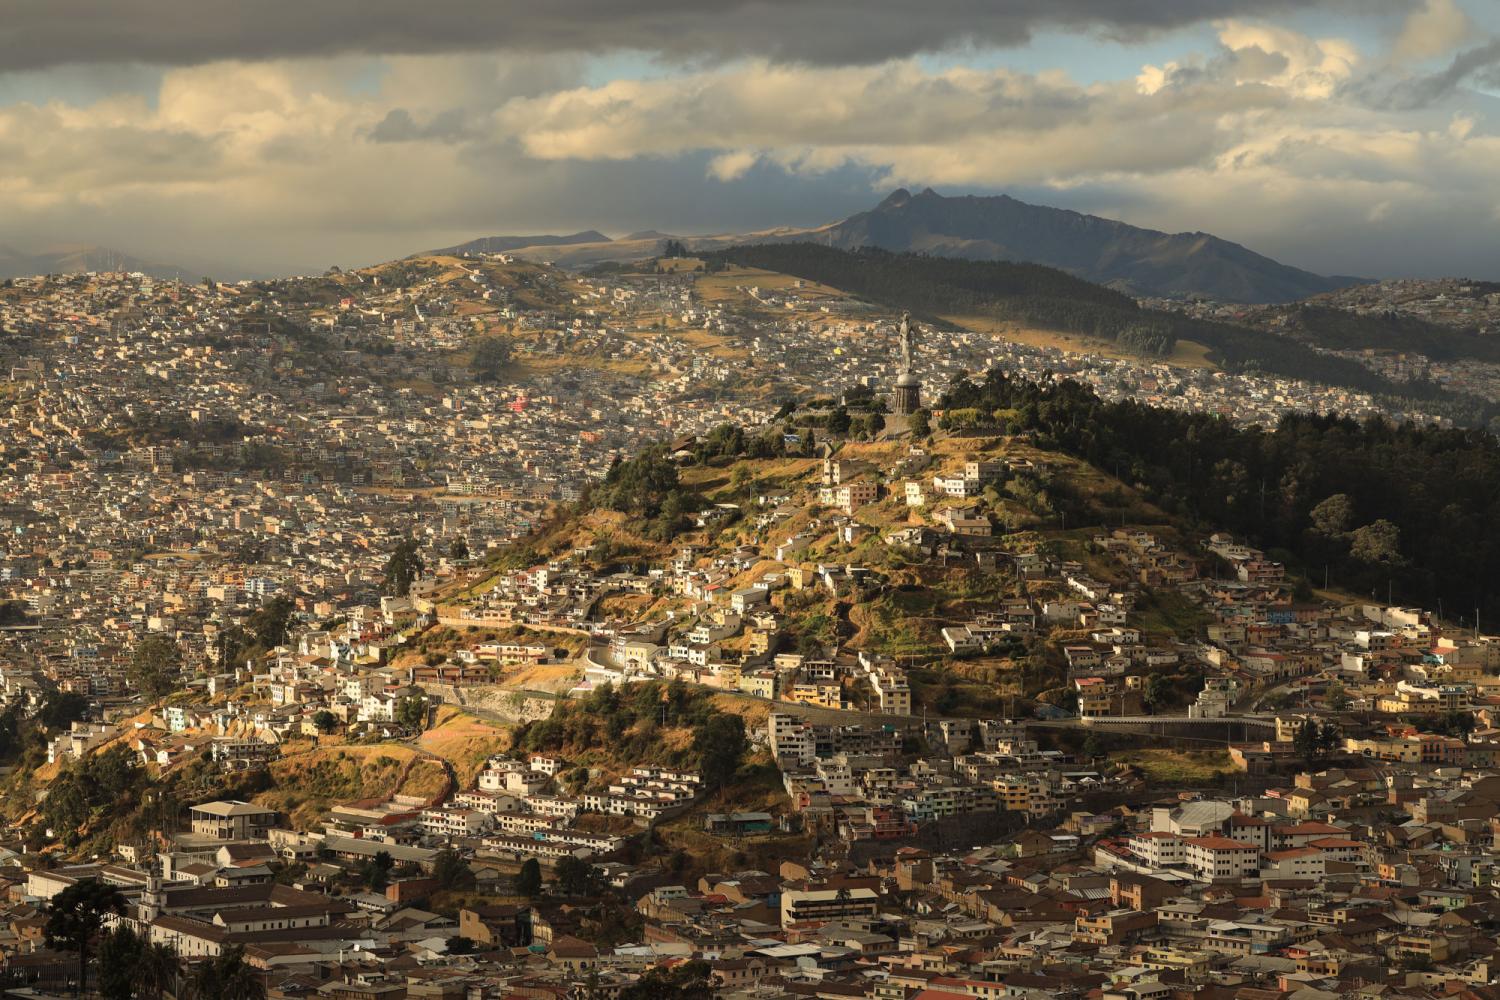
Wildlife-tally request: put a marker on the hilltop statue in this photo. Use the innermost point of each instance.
(906, 342)
(908, 395)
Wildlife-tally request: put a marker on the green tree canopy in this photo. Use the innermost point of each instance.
(575, 876)
(720, 745)
(1309, 740)
(155, 666)
(120, 954)
(60, 709)
(451, 871)
(225, 977)
(491, 354)
(402, 567)
(640, 485)
(268, 625)
(1377, 542)
(75, 917)
(411, 712)
(688, 981)
(529, 879)
(1332, 516)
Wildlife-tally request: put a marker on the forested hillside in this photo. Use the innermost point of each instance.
(1398, 509)
(1340, 329)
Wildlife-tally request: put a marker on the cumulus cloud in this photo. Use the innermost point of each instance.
(956, 126)
(1269, 138)
(39, 33)
(1434, 29)
(733, 165)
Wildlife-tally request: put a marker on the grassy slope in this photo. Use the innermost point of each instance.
(311, 779)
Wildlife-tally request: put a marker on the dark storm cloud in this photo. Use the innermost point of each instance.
(41, 33)
(1423, 91)
(399, 126)
(1477, 65)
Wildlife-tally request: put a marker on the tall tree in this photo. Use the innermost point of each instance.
(575, 876)
(689, 981)
(411, 712)
(1155, 691)
(1331, 517)
(1307, 740)
(155, 666)
(269, 624)
(491, 354)
(1330, 738)
(61, 709)
(403, 567)
(75, 917)
(225, 977)
(120, 953)
(158, 971)
(1377, 542)
(451, 871)
(377, 871)
(529, 880)
(720, 744)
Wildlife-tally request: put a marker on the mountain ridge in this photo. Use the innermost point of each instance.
(1140, 261)
(1143, 261)
(78, 258)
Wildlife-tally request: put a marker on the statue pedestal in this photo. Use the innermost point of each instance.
(908, 396)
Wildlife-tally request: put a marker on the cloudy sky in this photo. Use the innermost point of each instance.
(281, 136)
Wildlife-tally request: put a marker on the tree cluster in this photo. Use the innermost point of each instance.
(629, 721)
(102, 781)
(402, 568)
(1314, 741)
(265, 629)
(155, 666)
(1413, 509)
(489, 358)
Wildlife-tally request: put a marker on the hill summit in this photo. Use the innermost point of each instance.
(1142, 261)
(76, 259)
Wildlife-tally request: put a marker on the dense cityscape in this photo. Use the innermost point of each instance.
(761, 500)
(260, 554)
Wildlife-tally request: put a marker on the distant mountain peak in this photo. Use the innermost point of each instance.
(1105, 251)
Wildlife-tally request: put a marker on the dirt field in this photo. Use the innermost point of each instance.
(464, 742)
(726, 285)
